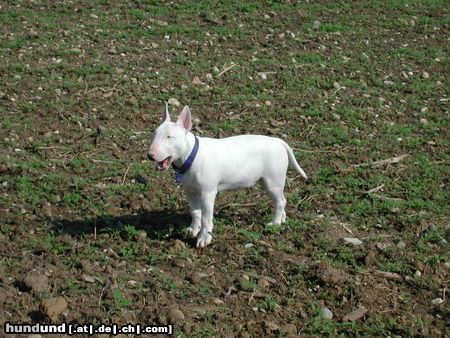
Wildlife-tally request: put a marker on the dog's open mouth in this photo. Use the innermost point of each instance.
(164, 164)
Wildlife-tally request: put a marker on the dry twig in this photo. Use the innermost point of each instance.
(226, 69)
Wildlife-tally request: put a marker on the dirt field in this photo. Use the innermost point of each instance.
(91, 233)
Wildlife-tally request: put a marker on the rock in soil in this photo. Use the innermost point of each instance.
(370, 259)
(179, 245)
(141, 236)
(401, 245)
(54, 307)
(263, 284)
(353, 241)
(355, 315)
(141, 178)
(326, 313)
(38, 283)
(175, 315)
(173, 101)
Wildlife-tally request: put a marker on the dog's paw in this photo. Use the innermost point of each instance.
(193, 231)
(273, 223)
(204, 240)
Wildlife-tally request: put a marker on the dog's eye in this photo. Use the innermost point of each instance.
(168, 136)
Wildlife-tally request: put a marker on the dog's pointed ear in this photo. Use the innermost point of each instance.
(165, 116)
(185, 120)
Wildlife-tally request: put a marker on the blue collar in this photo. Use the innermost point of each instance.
(187, 164)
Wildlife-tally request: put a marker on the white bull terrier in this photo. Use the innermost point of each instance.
(206, 166)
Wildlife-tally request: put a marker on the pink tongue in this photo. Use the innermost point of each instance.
(163, 164)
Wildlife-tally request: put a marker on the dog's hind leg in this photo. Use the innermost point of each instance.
(275, 189)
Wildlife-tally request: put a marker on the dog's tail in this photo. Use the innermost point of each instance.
(293, 161)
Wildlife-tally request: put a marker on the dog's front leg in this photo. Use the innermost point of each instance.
(207, 200)
(195, 205)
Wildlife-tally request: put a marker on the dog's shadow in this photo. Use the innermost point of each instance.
(157, 224)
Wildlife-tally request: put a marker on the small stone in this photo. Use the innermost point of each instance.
(370, 259)
(141, 178)
(46, 210)
(418, 274)
(38, 283)
(425, 75)
(94, 16)
(447, 265)
(217, 301)
(54, 307)
(173, 101)
(271, 326)
(437, 301)
(133, 101)
(353, 241)
(120, 70)
(401, 245)
(263, 76)
(336, 85)
(32, 33)
(175, 315)
(179, 245)
(197, 81)
(108, 94)
(132, 283)
(209, 76)
(423, 109)
(316, 23)
(263, 283)
(87, 278)
(141, 236)
(423, 121)
(268, 103)
(248, 245)
(326, 313)
(355, 315)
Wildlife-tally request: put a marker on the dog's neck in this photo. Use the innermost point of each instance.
(189, 145)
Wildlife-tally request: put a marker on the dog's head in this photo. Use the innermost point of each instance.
(169, 139)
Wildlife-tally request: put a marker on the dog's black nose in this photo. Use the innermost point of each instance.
(150, 157)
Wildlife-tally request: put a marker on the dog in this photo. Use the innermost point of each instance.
(206, 166)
